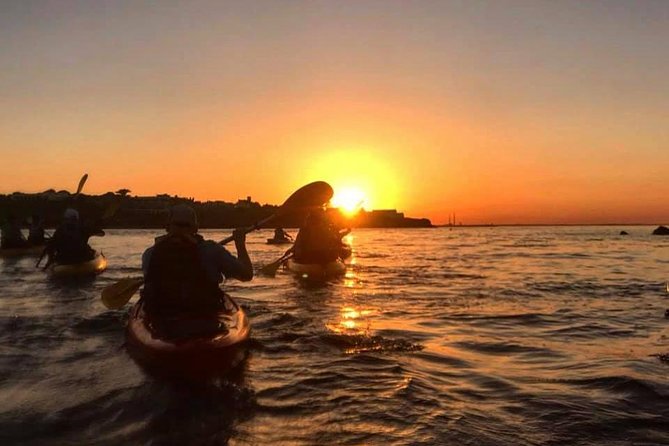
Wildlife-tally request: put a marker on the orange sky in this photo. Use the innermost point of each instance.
(526, 112)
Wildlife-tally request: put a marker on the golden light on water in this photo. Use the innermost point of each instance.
(352, 319)
(349, 313)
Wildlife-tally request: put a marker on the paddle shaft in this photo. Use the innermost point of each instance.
(258, 224)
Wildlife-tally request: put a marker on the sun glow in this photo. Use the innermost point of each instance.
(349, 199)
(355, 174)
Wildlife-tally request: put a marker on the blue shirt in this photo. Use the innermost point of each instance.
(216, 260)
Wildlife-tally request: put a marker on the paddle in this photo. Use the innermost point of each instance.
(80, 186)
(313, 194)
(118, 294)
(271, 268)
(82, 181)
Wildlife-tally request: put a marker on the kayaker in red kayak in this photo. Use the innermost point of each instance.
(182, 270)
(318, 241)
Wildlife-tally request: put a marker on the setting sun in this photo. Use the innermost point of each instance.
(349, 199)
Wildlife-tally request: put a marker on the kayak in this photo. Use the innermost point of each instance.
(94, 266)
(317, 271)
(194, 342)
(18, 252)
(273, 241)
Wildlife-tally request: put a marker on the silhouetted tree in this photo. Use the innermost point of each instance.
(123, 192)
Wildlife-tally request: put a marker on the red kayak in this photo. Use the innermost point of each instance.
(198, 344)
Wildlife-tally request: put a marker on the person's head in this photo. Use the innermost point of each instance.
(316, 217)
(182, 220)
(71, 215)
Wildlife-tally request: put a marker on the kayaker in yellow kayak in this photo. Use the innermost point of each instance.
(318, 241)
(69, 244)
(182, 270)
(281, 235)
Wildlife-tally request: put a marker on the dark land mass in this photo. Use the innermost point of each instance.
(119, 210)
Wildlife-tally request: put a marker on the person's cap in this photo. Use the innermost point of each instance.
(183, 215)
(71, 214)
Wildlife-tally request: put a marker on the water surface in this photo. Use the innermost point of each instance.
(481, 336)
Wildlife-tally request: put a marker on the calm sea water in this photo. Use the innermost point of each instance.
(480, 336)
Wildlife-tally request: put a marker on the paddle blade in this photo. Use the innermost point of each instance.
(270, 269)
(82, 181)
(313, 194)
(118, 294)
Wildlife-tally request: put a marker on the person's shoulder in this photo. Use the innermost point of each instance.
(212, 246)
(210, 243)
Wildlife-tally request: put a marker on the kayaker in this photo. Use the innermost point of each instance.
(318, 241)
(36, 231)
(281, 235)
(182, 270)
(12, 237)
(69, 243)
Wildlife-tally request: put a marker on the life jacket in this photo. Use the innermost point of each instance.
(36, 235)
(176, 281)
(317, 244)
(70, 244)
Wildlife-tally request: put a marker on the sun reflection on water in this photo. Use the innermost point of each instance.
(352, 321)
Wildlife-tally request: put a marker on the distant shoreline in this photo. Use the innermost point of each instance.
(122, 211)
(506, 225)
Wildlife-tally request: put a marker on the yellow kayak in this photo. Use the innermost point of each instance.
(91, 267)
(18, 252)
(317, 271)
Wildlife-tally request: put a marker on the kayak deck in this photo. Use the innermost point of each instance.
(92, 267)
(317, 271)
(215, 348)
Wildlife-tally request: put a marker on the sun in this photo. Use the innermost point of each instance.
(349, 199)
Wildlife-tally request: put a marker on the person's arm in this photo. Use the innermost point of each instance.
(298, 244)
(344, 232)
(239, 267)
(146, 257)
(93, 230)
(246, 272)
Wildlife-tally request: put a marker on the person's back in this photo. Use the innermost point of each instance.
(317, 241)
(182, 270)
(176, 281)
(69, 243)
